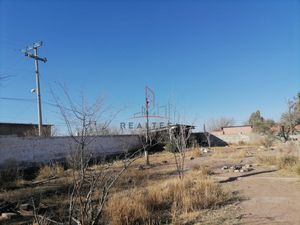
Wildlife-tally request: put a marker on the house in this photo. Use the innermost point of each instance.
(23, 129)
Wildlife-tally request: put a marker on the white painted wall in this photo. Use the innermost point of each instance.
(24, 150)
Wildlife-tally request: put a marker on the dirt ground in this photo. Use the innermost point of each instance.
(266, 194)
(271, 199)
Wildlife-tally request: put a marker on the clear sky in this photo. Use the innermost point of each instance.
(209, 58)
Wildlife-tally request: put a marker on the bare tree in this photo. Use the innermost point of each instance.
(290, 118)
(90, 188)
(179, 136)
(217, 124)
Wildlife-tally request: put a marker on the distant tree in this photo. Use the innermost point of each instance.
(255, 118)
(260, 124)
(217, 124)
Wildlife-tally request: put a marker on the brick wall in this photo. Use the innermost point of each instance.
(238, 130)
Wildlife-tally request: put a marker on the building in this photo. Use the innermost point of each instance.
(243, 129)
(23, 129)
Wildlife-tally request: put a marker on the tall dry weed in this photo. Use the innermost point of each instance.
(161, 202)
(50, 170)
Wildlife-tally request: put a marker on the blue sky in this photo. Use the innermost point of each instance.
(209, 58)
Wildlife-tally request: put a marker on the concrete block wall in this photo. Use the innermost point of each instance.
(36, 150)
(237, 138)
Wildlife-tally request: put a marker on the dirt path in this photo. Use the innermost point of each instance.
(269, 199)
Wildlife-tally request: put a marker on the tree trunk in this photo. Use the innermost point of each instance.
(147, 158)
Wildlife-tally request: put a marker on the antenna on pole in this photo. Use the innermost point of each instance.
(34, 55)
(149, 94)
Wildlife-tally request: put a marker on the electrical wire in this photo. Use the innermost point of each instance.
(33, 100)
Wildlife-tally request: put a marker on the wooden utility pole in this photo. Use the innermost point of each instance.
(207, 135)
(36, 58)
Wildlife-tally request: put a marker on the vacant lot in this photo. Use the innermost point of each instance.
(229, 185)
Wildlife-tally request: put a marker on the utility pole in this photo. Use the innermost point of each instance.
(147, 128)
(148, 92)
(36, 58)
(207, 135)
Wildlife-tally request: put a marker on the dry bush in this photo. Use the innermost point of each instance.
(157, 203)
(128, 208)
(202, 170)
(241, 143)
(287, 161)
(133, 177)
(284, 161)
(219, 154)
(194, 152)
(139, 175)
(267, 141)
(169, 148)
(191, 195)
(10, 173)
(291, 148)
(50, 170)
(297, 168)
(267, 159)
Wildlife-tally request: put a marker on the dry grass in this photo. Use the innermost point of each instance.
(149, 195)
(232, 154)
(286, 159)
(194, 152)
(202, 170)
(136, 177)
(157, 203)
(50, 171)
(267, 141)
(11, 175)
(227, 215)
(127, 209)
(297, 168)
(241, 143)
(190, 195)
(267, 159)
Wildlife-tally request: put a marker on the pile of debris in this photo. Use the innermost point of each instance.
(15, 210)
(239, 168)
(204, 150)
(7, 210)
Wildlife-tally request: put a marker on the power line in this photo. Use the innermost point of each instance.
(18, 99)
(33, 100)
